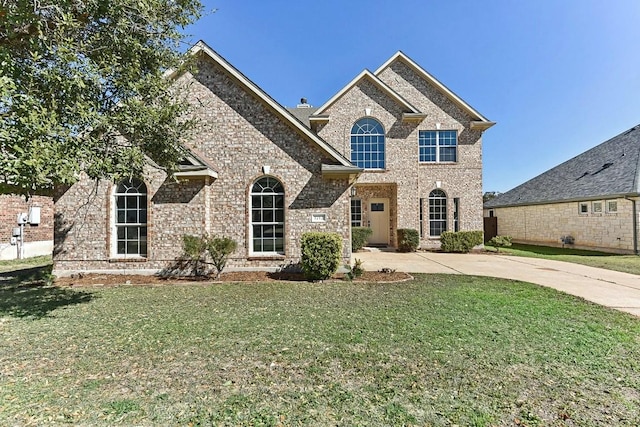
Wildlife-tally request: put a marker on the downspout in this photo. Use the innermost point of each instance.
(635, 227)
(634, 209)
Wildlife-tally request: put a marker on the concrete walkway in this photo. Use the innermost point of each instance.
(613, 289)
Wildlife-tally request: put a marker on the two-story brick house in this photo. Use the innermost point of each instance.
(420, 146)
(257, 173)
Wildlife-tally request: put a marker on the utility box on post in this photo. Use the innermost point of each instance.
(34, 215)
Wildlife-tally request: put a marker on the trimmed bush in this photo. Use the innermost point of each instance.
(359, 236)
(320, 254)
(219, 249)
(460, 241)
(500, 242)
(194, 248)
(408, 240)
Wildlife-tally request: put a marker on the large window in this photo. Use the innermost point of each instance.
(438, 145)
(356, 213)
(131, 218)
(267, 216)
(437, 213)
(367, 144)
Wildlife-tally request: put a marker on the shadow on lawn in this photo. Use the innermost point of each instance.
(29, 293)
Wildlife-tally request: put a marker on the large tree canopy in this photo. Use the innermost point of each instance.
(82, 89)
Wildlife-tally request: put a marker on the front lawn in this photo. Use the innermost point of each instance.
(439, 350)
(624, 263)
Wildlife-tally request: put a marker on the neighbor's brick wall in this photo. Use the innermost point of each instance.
(239, 135)
(12, 205)
(545, 224)
(414, 180)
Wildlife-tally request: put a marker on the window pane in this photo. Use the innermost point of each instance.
(279, 215)
(256, 216)
(132, 248)
(256, 201)
(257, 245)
(279, 245)
(120, 233)
(267, 216)
(121, 216)
(121, 247)
(132, 216)
(267, 245)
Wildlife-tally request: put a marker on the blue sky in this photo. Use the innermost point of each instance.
(558, 76)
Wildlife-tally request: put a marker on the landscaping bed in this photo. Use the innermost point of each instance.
(97, 279)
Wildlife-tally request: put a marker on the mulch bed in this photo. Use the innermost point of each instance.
(97, 279)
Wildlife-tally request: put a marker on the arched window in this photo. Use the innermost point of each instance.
(367, 144)
(267, 216)
(437, 213)
(130, 234)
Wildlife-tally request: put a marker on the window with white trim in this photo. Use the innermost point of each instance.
(437, 146)
(356, 213)
(130, 214)
(596, 207)
(367, 144)
(583, 208)
(612, 206)
(437, 213)
(267, 216)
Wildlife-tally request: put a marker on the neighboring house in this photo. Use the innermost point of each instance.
(38, 238)
(263, 175)
(589, 202)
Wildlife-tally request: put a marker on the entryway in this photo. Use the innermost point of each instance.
(379, 222)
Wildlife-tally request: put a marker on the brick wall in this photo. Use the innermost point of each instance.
(546, 224)
(240, 136)
(12, 205)
(414, 180)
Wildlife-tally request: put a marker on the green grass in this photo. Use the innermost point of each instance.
(439, 350)
(19, 264)
(624, 263)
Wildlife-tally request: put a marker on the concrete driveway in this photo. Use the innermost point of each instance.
(613, 289)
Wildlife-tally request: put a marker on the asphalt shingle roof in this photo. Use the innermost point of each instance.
(607, 170)
(303, 114)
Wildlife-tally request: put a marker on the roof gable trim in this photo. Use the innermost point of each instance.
(400, 56)
(366, 74)
(202, 47)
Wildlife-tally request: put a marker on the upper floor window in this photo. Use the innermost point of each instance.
(267, 216)
(130, 236)
(367, 144)
(438, 145)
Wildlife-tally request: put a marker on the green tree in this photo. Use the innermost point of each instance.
(82, 89)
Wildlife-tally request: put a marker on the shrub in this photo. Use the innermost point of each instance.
(408, 240)
(356, 271)
(460, 241)
(500, 242)
(194, 248)
(219, 249)
(359, 236)
(320, 254)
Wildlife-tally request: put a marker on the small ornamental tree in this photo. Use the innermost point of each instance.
(320, 254)
(219, 249)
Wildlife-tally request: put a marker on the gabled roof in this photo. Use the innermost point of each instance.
(610, 169)
(368, 75)
(202, 48)
(480, 123)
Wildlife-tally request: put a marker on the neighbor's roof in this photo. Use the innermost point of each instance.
(608, 170)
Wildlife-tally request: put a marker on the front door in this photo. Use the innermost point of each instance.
(379, 221)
